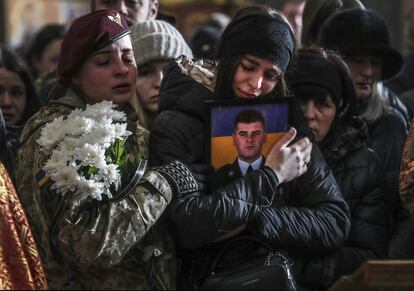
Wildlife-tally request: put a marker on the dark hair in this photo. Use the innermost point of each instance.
(227, 65)
(12, 62)
(226, 71)
(249, 116)
(42, 39)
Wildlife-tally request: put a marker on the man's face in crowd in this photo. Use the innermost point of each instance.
(366, 71)
(293, 10)
(249, 139)
(133, 10)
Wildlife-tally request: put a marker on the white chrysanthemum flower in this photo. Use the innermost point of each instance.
(52, 133)
(100, 110)
(90, 188)
(118, 116)
(79, 143)
(76, 112)
(104, 134)
(70, 144)
(120, 131)
(90, 155)
(65, 179)
(57, 160)
(110, 174)
(79, 125)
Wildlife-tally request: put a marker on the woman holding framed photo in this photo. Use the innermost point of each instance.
(308, 215)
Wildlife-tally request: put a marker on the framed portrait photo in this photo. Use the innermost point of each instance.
(244, 127)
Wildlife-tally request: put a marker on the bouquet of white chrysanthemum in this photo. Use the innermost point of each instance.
(86, 150)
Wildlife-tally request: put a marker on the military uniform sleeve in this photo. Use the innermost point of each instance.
(88, 232)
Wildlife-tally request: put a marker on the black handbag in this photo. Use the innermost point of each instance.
(265, 272)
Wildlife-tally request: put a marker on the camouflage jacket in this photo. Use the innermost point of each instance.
(87, 244)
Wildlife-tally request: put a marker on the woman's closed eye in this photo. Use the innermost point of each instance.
(247, 68)
(102, 60)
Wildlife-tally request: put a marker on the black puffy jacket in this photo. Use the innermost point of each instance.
(314, 218)
(360, 176)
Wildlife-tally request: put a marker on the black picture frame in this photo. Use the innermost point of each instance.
(220, 114)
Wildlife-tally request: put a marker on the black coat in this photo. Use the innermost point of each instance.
(360, 176)
(387, 136)
(314, 219)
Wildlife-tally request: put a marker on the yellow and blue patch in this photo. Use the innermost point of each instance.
(41, 178)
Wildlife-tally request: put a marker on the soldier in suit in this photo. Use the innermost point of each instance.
(249, 136)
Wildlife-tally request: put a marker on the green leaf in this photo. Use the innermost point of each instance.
(92, 170)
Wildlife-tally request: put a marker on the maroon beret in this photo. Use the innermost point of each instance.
(88, 34)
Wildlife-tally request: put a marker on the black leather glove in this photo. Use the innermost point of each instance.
(179, 176)
(203, 173)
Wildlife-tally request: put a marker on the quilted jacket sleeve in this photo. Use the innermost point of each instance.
(201, 218)
(316, 219)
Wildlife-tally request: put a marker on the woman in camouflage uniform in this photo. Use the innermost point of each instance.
(112, 243)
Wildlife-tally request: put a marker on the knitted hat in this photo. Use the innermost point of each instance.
(330, 74)
(260, 35)
(157, 40)
(88, 34)
(360, 32)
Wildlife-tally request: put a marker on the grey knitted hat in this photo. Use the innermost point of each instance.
(157, 40)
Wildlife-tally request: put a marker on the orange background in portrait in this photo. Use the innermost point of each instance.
(224, 152)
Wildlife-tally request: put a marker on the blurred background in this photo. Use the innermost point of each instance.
(20, 19)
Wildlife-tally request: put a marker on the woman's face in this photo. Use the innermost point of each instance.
(366, 72)
(320, 116)
(255, 77)
(12, 97)
(110, 73)
(49, 58)
(148, 84)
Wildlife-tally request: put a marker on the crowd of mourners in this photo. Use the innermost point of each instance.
(104, 178)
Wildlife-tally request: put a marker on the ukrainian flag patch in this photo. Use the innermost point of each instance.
(41, 178)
